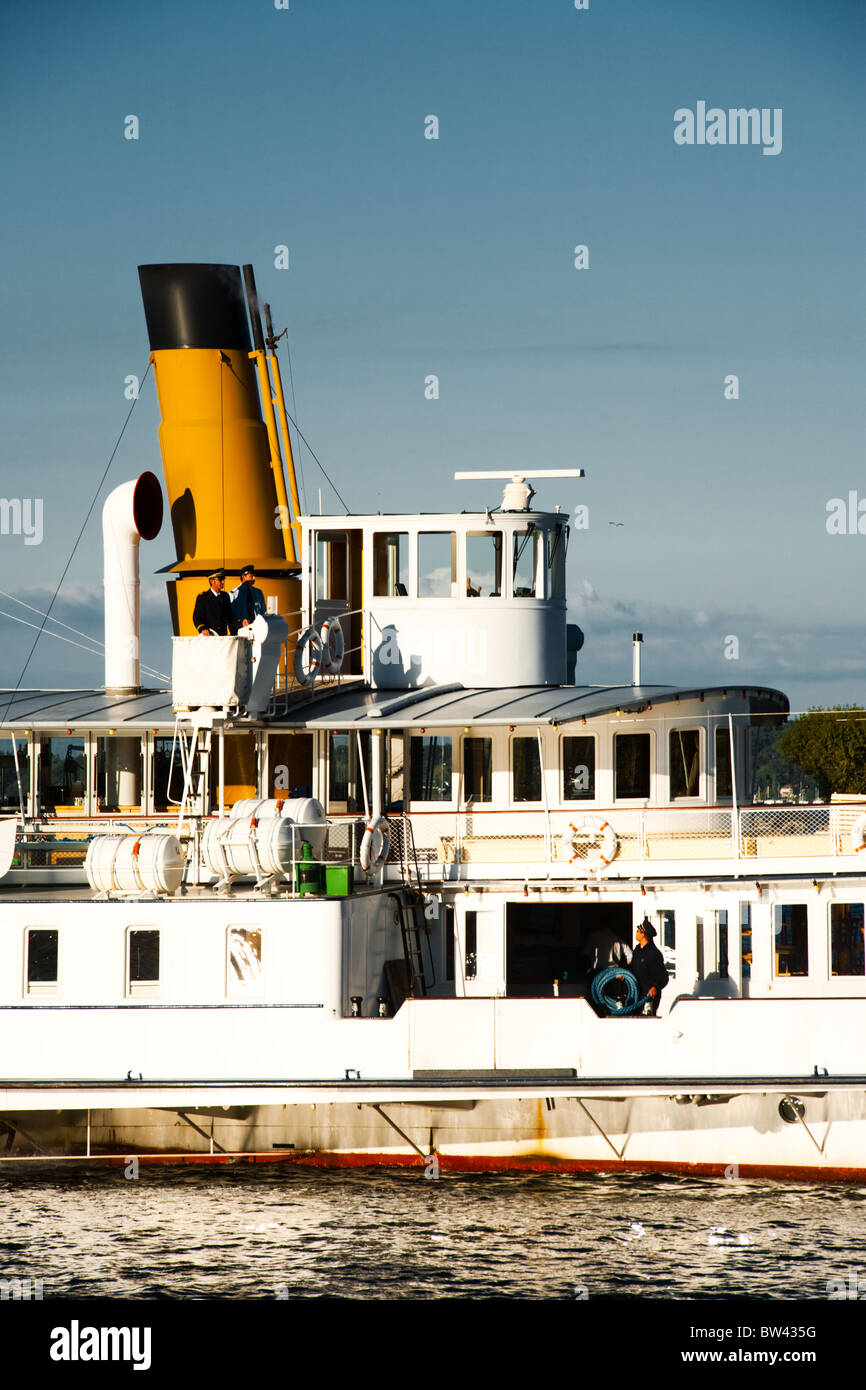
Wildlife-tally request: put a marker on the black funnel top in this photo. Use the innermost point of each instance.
(194, 306)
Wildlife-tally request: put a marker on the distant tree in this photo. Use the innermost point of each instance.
(830, 744)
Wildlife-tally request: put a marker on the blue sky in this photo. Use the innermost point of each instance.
(409, 256)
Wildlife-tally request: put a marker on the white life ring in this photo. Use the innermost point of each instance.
(593, 828)
(375, 845)
(858, 833)
(333, 646)
(308, 656)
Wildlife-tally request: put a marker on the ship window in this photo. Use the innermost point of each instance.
(667, 929)
(244, 965)
(345, 783)
(699, 947)
(791, 924)
(471, 970)
(478, 769)
(846, 939)
(578, 768)
(632, 755)
(290, 765)
(557, 544)
(722, 943)
(525, 770)
(63, 773)
(167, 773)
(394, 770)
(448, 932)
(118, 774)
(42, 953)
(746, 939)
(724, 780)
(685, 762)
(391, 564)
(437, 564)
(332, 566)
(484, 564)
(524, 563)
(143, 963)
(430, 767)
(9, 777)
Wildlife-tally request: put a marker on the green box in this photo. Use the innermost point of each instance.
(339, 880)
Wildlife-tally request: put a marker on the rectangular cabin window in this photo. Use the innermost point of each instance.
(143, 962)
(525, 770)
(394, 770)
(684, 746)
(345, 783)
(477, 769)
(290, 765)
(557, 545)
(724, 780)
(9, 799)
(632, 760)
(118, 774)
(63, 773)
(699, 947)
(846, 939)
(484, 564)
(722, 943)
(430, 767)
(746, 939)
(167, 773)
(244, 960)
(791, 925)
(437, 564)
(666, 924)
(524, 566)
(42, 957)
(332, 566)
(471, 960)
(391, 564)
(578, 768)
(448, 932)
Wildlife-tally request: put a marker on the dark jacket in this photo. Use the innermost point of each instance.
(214, 611)
(648, 967)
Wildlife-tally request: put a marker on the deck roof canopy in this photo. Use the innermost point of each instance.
(357, 706)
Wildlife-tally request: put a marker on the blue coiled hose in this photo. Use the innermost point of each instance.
(611, 1006)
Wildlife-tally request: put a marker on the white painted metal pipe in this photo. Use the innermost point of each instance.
(131, 511)
(637, 639)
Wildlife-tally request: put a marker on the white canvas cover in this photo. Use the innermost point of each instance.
(211, 671)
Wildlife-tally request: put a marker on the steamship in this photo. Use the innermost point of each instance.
(341, 894)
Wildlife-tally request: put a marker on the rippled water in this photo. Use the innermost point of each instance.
(301, 1233)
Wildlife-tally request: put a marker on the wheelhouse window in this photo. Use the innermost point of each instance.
(524, 564)
(684, 748)
(244, 960)
(525, 770)
(9, 797)
(484, 564)
(846, 939)
(632, 763)
(42, 960)
(143, 961)
(724, 778)
(477, 769)
(391, 564)
(791, 925)
(332, 566)
(430, 767)
(437, 564)
(578, 768)
(63, 773)
(557, 545)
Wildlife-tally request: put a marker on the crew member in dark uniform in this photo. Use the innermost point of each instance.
(247, 601)
(648, 967)
(212, 614)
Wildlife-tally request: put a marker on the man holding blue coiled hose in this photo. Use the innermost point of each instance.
(648, 967)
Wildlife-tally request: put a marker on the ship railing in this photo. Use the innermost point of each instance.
(287, 684)
(567, 841)
(45, 843)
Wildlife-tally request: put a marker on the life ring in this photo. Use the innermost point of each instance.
(309, 646)
(594, 828)
(858, 833)
(375, 845)
(333, 645)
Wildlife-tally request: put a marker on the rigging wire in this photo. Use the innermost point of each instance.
(329, 480)
(295, 409)
(74, 549)
(99, 650)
